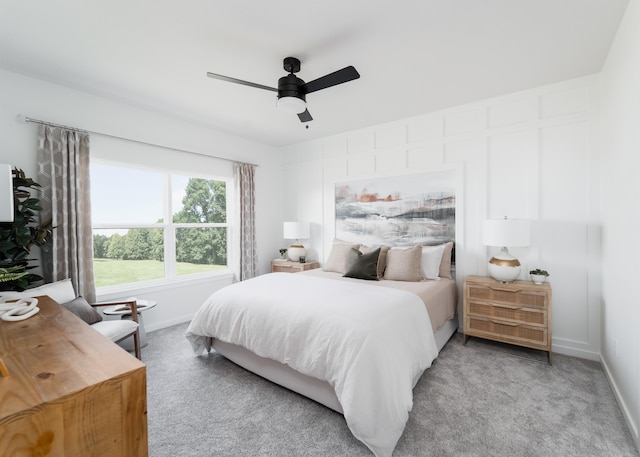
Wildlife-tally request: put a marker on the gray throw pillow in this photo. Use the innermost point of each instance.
(83, 310)
(382, 260)
(363, 266)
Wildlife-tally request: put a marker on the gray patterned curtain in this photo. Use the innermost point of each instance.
(63, 173)
(244, 174)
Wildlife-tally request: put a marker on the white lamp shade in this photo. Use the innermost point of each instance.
(296, 230)
(507, 232)
(291, 104)
(6, 193)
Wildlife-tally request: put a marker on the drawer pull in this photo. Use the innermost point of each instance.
(504, 289)
(499, 305)
(510, 324)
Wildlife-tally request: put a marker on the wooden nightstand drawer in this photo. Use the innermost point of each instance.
(508, 332)
(513, 313)
(292, 267)
(500, 293)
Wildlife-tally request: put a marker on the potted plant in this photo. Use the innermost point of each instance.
(18, 237)
(283, 253)
(538, 276)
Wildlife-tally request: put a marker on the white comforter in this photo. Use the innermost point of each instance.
(370, 343)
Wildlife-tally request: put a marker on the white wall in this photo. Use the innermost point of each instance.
(620, 208)
(42, 100)
(531, 155)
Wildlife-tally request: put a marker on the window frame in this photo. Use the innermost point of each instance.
(169, 230)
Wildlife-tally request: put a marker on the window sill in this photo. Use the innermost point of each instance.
(116, 292)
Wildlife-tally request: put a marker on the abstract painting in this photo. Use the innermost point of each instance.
(397, 211)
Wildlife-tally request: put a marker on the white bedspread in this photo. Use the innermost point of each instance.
(370, 343)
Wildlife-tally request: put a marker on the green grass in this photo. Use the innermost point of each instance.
(110, 272)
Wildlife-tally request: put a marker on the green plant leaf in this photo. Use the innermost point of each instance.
(17, 238)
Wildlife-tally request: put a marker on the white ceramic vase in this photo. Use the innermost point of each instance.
(295, 251)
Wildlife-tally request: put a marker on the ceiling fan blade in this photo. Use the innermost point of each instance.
(305, 116)
(332, 79)
(240, 81)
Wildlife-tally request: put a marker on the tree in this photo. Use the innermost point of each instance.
(137, 245)
(156, 241)
(205, 201)
(117, 248)
(100, 246)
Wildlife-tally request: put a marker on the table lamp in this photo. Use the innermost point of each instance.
(503, 267)
(296, 231)
(6, 193)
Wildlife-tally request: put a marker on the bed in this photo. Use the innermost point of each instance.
(354, 345)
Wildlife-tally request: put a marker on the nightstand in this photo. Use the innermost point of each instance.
(288, 266)
(516, 313)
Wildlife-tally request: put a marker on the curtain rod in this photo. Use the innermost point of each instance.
(23, 118)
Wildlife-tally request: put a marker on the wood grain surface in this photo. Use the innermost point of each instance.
(69, 390)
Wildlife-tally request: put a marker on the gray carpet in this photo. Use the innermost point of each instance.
(482, 399)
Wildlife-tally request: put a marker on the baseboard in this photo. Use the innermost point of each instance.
(633, 427)
(575, 352)
(168, 323)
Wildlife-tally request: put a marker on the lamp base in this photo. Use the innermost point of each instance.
(296, 251)
(503, 267)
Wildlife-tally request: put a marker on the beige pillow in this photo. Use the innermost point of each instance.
(404, 264)
(382, 259)
(339, 257)
(445, 263)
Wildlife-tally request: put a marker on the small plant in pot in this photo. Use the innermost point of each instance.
(538, 275)
(17, 238)
(283, 253)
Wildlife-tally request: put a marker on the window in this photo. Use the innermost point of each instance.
(131, 240)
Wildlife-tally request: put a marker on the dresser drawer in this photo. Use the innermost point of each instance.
(507, 332)
(498, 293)
(513, 313)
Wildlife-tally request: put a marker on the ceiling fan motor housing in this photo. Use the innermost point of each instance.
(289, 86)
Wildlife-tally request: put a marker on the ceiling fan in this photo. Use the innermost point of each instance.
(292, 91)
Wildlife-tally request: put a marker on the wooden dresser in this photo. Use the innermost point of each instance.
(516, 313)
(70, 391)
(287, 266)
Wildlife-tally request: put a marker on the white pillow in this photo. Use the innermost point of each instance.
(431, 258)
(60, 291)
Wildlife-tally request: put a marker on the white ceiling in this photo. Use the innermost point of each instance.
(414, 56)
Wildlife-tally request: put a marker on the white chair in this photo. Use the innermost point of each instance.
(118, 330)
(63, 293)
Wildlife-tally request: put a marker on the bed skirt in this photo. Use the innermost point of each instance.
(283, 375)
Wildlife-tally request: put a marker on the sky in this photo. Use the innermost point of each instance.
(131, 195)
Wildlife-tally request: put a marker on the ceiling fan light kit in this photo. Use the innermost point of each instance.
(291, 105)
(292, 90)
